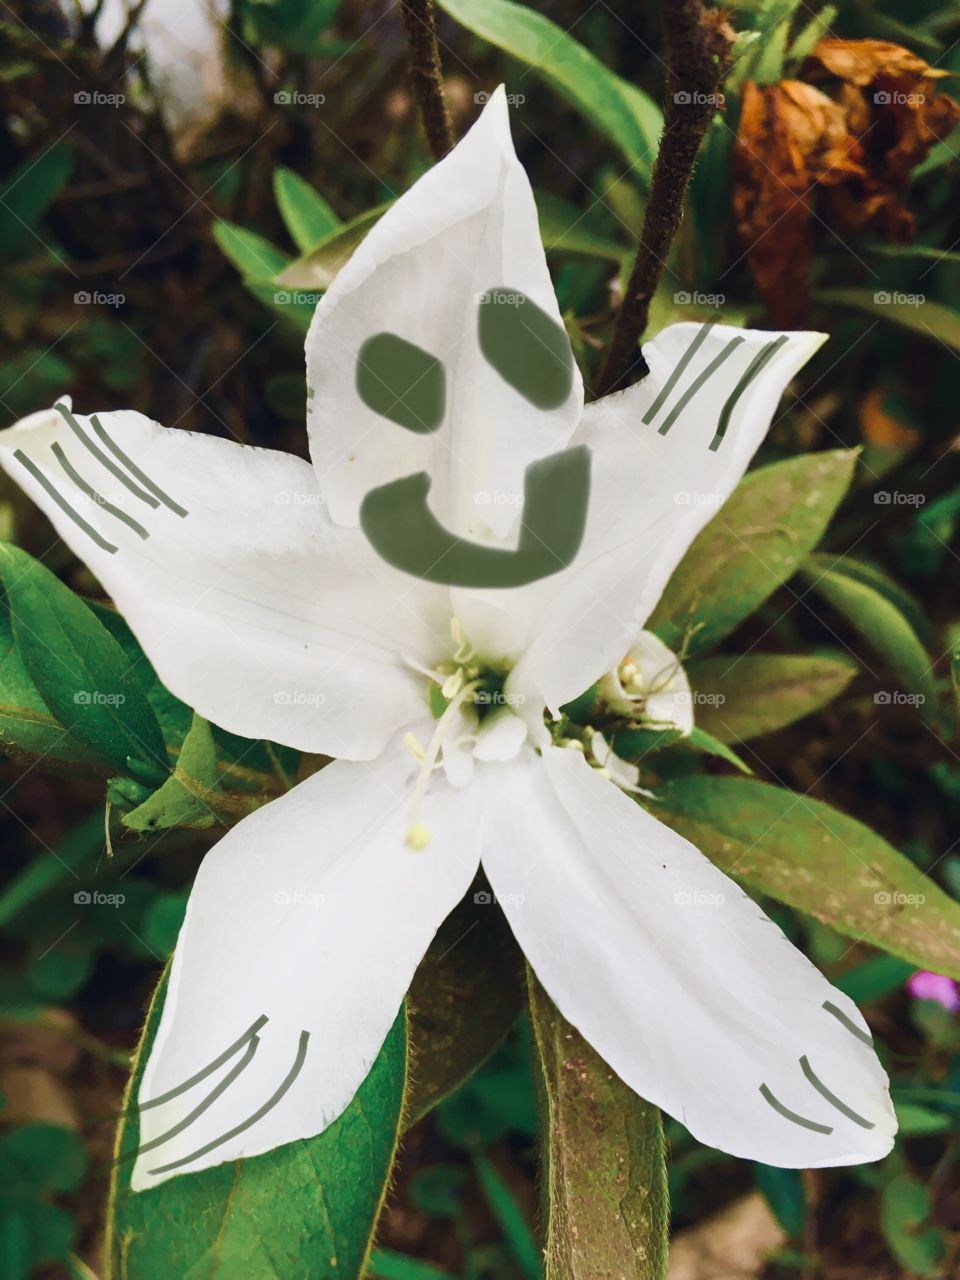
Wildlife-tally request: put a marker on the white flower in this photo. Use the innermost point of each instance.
(259, 599)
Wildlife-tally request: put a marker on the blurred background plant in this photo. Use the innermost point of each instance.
(179, 184)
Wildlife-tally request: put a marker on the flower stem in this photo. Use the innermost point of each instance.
(698, 49)
(419, 18)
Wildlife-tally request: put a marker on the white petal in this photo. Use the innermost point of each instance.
(500, 737)
(313, 914)
(682, 984)
(468, 226)
(254, 608)
(659, 692)
(651, 494)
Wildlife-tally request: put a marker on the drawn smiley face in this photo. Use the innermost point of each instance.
(407, 385)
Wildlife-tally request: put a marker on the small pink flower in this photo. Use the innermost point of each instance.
(934, 986)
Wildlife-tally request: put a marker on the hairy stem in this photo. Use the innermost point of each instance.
(419, 18)
(698, 47)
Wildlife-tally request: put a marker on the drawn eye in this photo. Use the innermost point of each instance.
(402, 382)
(527, 347)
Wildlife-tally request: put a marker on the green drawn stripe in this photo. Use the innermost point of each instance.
(62, 503)
(792, 1115)
(251, 1120)
(102, 458)
(91, 493)
(227, 1054)
(698, 382)
(674, 378)
(134, 469)
(851, 1026)
(756, 366)
(207, 1102)
(832, 1098)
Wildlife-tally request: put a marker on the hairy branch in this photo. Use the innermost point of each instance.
(419, 18)
(698, 47)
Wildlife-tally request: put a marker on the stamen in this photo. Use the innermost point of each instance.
(417, 829)
(414, 746)
(417, 838)
(451, 686)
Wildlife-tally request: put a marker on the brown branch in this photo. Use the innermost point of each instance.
(419, 18)
(698, 49)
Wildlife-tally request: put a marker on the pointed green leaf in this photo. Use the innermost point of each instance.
(77, 666)
(913, 312)
(906, 1216)
(27, 194)
(565, 229)
(188, 798)
(624, 114)
(308, 1208)
(307, 216)
(700, 740)
(604, 1164)
(771, 522)
(256, 258)
(741, 697)
(318, 268)
(882, 625)
(812, 857)
(871, 576)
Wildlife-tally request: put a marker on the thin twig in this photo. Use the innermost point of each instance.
(698, 48)
(419, 18)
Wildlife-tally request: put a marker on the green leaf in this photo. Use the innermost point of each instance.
(318, 268)
(874, 978)
(881, 582)
(738, 698)
(700, 740)
(906, 1209)
(188, 798)
(768, 526)
(915, 1121)
(783, 1192)
(75, 854)
(812, 32)
(307, 216)
(928, 319)
(625, 115)
(78, 667)
(604, 1163)
(385, 1264)
(306, 1208)
(520, 1239)
(812, 857)
(27, 194)
(565, 229)
(256, 258)
(465, 996)
(42, 1157)
(882, 625)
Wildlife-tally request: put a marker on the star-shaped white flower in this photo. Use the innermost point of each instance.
(256, 594)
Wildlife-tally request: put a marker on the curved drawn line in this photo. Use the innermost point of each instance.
(227, 1054)
(792, 1115)
(697, 383)
(91, 493)
(251, 1120)
(832, 1098)
(674, 378)
(102, 458)
(61, 502)
(208, 1101)
(134, 469)
(754, 368)
(851, 1026)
